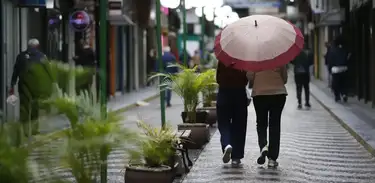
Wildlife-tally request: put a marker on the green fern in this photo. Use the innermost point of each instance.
(156, 147)
(92, 136)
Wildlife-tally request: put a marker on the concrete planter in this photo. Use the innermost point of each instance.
(199, 136)
(142, 174)
(211, 117)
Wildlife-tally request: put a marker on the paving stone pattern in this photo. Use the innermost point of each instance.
(314, 148)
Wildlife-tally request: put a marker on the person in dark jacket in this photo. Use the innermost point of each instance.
(338, 65)
(168, 59)
(151, 62)
(29, 110)
(328, 46)
(302, 65)
(86, 56)
(231, 108)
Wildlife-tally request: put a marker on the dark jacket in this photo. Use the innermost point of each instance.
(86, 58)
(302, 63)
(23, 60)
(228, 77)
(337, 56)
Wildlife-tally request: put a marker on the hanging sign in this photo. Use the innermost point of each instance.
(79, 21)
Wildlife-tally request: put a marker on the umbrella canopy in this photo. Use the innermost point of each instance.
(258, 42)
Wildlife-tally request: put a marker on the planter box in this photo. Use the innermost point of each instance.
(199, 136)
(142, 174)
(211, 117)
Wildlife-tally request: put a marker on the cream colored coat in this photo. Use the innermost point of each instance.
(269, 82)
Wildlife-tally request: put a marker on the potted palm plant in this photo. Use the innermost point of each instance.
(92, 135)
(208, 96)
(188, 84)
(154, 159)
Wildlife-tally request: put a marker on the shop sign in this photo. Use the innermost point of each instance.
(79, 21)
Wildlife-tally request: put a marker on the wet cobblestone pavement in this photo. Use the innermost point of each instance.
(314, 148)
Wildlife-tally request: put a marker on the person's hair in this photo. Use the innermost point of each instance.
(33, 43)
(166, 49)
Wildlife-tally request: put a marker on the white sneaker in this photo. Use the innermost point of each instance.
(236, 163)
(227, 153)
(272, 163)
(263, 154)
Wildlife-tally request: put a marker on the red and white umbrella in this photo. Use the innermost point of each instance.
(258, 42)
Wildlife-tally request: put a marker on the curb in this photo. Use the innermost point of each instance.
(40, 140)
(358, 137)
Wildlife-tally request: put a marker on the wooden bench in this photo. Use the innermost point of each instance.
(184, 136)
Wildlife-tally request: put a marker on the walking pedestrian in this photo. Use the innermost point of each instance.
(29, 110)
(86, 58)
(269, 96)
(338, 64)
(302, 65)
(169, 59)
(328, 46)
(232, 112)
(151, 62)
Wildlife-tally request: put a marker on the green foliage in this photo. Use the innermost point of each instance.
(156, 147)
(37, 82)
(92, 136)
(14, 166)
(210, 89)
(187, 84)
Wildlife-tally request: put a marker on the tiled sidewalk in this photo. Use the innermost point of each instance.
(314, 148)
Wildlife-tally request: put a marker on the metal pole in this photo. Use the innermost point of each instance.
(203, 32)
(158, 42)
(103, 10)
(103, 52)
(185, 32)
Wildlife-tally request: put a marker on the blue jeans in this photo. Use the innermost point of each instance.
(232, 119)
(168, 96)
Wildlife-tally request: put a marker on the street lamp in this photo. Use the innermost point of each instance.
(168, 4)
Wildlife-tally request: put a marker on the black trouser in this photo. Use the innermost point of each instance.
(339, 84)
(268, 109)
(302, 82)
(232, 119)
(29, 112)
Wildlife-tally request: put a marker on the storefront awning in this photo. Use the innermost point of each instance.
(120, 20)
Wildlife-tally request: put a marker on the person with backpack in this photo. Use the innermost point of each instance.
(302, 65)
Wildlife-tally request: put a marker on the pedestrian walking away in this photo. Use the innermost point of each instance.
(86, 58)
(269, 96)
(302, 65)
(338, 64)
(168, 60)
(232, 112)
(29, 110)
(328, 46)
